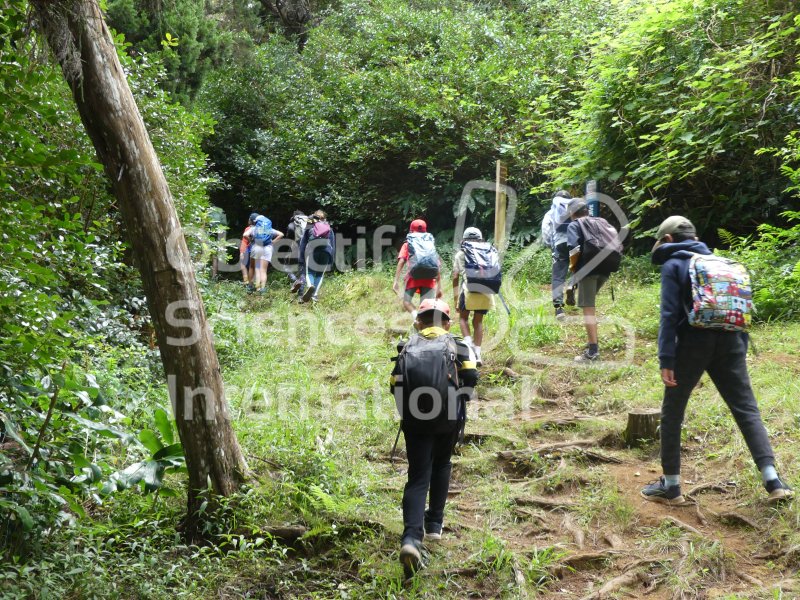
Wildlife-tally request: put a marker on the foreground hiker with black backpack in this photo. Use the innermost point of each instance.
(705, 311)
(423, 277)
(595, 252)
(477, 265)
(432, 380)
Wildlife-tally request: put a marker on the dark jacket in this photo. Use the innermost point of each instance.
(467, 379)
(676, 294)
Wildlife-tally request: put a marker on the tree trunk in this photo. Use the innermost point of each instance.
(294, 16)
(78, 37)
(642, 426)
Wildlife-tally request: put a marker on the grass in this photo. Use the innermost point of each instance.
(308, 386)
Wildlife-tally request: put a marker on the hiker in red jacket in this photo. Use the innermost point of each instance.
(429, 288)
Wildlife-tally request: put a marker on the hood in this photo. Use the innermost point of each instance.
(683, 249)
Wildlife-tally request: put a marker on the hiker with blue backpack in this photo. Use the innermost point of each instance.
(423, 276)
(432, 380)
(595, 251)
(317, 250)
(477, 265)
(706, 308)
(262, 235)
(554, 236)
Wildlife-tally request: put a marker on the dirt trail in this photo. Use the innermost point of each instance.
(716, 545)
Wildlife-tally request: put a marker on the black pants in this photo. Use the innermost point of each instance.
(428, 469)
(722, 355)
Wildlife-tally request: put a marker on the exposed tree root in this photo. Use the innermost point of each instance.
(681, 525)
(577, 533)
(735, 517)
(705, 487)
(544, 503)
(614, 585)
(749, 579)
(287, 534)
(613, 540)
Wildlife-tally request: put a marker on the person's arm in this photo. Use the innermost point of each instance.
(672, 313)
(574, 240)
(467, 369)
(396, 283)
(547, 228)
(276, 235)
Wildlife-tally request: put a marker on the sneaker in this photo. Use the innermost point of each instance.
(659, 492)
(308, 293)
(778, 491)
(587, 356)
(560, 314)
(570, 296)
(478, 360)
(410, 558)
(433, 532)
(296, 286)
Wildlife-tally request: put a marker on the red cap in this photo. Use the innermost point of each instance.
(418, 226)
(437, 305)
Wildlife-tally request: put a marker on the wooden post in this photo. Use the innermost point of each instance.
(642, 426)
(500, 205)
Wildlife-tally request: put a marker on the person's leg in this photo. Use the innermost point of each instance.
(695, 349)
(587, 295)
(318, 279)
(419, 450)
(463, 323)
(477, 327)
(728, 371)
(442, 449)
(560, 272)
(408, 298)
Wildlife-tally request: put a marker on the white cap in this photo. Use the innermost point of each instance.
(472, 233)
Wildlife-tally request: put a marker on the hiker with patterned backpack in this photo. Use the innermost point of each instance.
(294, 231)
(595, 251)
(554, 236)
(432, 380)
(705, 311)
(317, 251)
(423, 276)
(477, 265)
(262, 235)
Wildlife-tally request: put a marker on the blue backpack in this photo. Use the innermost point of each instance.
(482, 265)
(423, 260)
(262, 231)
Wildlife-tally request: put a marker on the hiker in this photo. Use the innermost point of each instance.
(477, 265)
(423, 277)
(317, 249)
(245, 262)
(294, 231)
(594, 253)
(432, 379)
(554, 235)
(697, 336)
(262, 235)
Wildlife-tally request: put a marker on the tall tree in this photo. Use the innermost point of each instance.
(80, 41)
(294, 15)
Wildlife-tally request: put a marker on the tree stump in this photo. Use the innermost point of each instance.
(642, 426)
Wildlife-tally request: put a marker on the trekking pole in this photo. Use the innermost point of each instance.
(503, 300)
(397, 439)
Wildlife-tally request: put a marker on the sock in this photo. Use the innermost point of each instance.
(468, 340)
(768, 473)
(670, 480)
(594, 348)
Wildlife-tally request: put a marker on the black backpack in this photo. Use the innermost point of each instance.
(599, 235)
(482, 267)
(426, 380)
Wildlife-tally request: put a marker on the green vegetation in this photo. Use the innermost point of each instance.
(392, 106)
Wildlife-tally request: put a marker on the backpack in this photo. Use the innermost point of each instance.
(560, 214)
(426, 380)
(423, 260)
(721, 293)
(482, 267)
(300, 222)
(319, 243)
(599, 235)
(262, 231)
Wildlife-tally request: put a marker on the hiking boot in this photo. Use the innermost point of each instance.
(659, 492)
(587, 356)
(410, 558)
(296, 286)
(778, 491)
(560, 314)
(308, 293)
(570, 296)
(433, 532)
